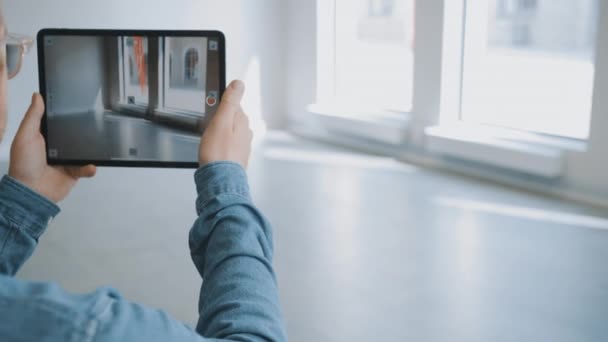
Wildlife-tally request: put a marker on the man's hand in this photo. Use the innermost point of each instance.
(28, 159)
(228, 136)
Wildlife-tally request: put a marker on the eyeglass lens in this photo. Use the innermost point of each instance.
(13, 58)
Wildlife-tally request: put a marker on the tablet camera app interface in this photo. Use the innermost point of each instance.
(129, 98)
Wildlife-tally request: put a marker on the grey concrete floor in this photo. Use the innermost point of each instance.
(111, 135)
(367, 249)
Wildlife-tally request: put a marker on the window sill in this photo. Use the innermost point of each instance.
(139, 110)
(380, 126)
(185, 114)
(478, 144)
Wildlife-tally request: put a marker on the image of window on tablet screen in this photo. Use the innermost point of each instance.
(129, 98)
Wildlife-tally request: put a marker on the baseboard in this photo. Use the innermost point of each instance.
(408, 154)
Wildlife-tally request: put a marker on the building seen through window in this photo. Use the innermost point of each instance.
(551, 26)
(381, 8)
(185, 62)
(374, 53)
(530, 65)
(190, 65)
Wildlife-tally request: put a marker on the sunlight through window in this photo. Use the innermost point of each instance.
(530, 65)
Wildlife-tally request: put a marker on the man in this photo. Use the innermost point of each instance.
(230, 244)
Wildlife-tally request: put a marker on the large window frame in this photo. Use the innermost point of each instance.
(435, 121)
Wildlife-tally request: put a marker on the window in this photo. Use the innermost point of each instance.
(185, 78)
(374, 60)
(135, 73)
(502, 83)
(135, 60)
(529, 65)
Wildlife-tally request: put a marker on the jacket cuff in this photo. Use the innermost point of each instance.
(24, 205)
(219, 178)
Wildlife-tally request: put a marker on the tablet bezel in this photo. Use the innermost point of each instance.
(150, 33)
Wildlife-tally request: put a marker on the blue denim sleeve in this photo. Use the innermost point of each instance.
(24, 216)
(231, 246)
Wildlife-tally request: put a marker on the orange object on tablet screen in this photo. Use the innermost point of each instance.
(141, 61)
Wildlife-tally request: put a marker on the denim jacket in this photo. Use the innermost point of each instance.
(230, 244)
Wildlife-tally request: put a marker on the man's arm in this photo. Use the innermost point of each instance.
(231, 246)
(24, 216)
(28, 196)
(231, 242)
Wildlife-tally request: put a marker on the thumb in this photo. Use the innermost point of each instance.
(76, 172)
(231, 103)
(31, 121)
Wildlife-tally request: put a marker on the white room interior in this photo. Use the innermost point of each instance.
(411, 220)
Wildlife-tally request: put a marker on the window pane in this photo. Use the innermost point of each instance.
(374, 52)
(135, 61)
(185, 68)
(529, 64)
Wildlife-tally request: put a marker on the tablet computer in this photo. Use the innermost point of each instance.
(136, 98)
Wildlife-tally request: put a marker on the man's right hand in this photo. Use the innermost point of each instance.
(28, 159)
(228, 136)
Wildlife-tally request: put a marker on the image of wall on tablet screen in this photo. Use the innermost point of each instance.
(136, 98)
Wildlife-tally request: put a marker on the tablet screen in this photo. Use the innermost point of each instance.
(129, 98)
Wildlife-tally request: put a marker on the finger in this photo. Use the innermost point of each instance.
(31, 121)
(88, 171)
(82, 171)
(231, 102)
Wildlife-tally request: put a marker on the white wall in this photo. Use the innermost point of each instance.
(254, 32)
(75, 80)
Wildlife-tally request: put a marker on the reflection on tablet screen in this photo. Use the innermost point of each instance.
(131, 98)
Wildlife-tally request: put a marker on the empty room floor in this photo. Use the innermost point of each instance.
(366, 249)
(101, 136)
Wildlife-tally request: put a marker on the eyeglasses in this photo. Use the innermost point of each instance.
(17, 46)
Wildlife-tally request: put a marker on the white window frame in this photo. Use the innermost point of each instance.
(451, 114)
(376, 124)
(434, 124)
(503, 147)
